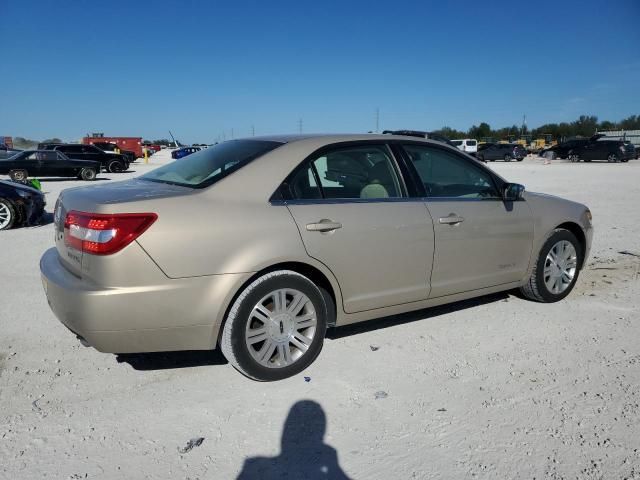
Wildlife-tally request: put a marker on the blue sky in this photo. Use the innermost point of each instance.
(203, 68)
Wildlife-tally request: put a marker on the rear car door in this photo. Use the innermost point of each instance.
(354, 215)
(480, 240)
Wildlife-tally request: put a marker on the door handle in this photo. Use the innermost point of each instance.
(323, 225)
(452, 219)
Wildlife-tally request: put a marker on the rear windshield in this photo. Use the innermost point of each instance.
(457, 143)
(207, 166)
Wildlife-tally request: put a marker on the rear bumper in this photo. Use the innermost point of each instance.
(181, 314)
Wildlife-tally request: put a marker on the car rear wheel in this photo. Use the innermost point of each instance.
(88, 174)
(115, 166)
(7, 214)
(276, 327)
(507, 158)
(556, 270)
(613, 158)
(573, 157)
(18, 175)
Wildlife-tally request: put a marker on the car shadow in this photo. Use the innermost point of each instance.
(303, 452)
(46, 219)
(424, 314)
(172, 360)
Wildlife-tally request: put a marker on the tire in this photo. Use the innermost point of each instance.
(520, 159)
(537, 286)
(18, 175)
(8, 214)
(573, 157)
(115, 166)
(481, 158)
(244, 353)
(87, 174)
(507, 158)
(612, 158)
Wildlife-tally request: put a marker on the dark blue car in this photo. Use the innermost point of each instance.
(184, 151)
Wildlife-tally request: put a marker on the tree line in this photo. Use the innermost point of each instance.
(585, 126)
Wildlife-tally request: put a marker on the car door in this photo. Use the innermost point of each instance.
(353, 213)
(480, 240)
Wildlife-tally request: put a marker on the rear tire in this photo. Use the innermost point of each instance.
(256, 313)
(613, 158)
(18, 175)
(88, 174)
(8, 214)
(507, 158)
(545, 269)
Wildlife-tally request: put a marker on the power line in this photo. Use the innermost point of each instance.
(300, 125)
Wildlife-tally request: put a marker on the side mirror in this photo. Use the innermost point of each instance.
(512, 192)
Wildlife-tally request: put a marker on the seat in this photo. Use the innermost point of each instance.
(381, 182)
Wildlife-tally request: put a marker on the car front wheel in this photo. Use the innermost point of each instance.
(18, 175)
(507, 158)
(556, 270)
(276, 327)
(115, 166)
(613, 158)
(7, 214)
(87, 174)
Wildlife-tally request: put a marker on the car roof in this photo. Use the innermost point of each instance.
(339, 137)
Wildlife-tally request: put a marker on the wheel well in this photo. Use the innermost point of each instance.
(579, 233)
(312, 273)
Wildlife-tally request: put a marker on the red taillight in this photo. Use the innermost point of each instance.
(101, 234)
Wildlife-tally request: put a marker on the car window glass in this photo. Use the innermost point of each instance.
(445, 174)
(303, 185)
(365, 172)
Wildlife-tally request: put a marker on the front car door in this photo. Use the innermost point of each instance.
(354, 215)
(480, 240)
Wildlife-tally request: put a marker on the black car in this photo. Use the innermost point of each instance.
(111, 147)
(418, 133)
(501, 151)
(609, 150)
(111, 162)
(47, 163)
(20, 205)
(562, 150)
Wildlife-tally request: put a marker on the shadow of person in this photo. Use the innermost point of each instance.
(303, 454)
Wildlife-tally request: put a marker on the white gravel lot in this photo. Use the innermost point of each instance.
(498, 387)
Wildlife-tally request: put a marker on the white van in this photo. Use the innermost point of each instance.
(468, 145)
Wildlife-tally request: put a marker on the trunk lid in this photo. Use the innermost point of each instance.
(131, 196)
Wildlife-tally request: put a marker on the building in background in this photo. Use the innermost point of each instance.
(124, 143)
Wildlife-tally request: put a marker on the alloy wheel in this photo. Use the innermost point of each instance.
(5, 215)
(560, 266)
(281, 328)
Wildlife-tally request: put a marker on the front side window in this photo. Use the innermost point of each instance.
(362, 172)
(206, 167)
(445, 174)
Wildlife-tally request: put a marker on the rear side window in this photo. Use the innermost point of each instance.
(471, 143)
(207, 166)
(447, 175)
(457, 143)
(362, 172)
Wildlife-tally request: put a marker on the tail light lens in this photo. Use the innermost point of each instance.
(100, 234)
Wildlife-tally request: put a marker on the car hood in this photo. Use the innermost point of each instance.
(21, 186)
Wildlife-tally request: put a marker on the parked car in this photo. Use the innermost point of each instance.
(113, 148)
(256, 246)
(468, 145)
(609, 150)
(6, 152)
(561, 150)
(47, 163)
(20, 205)
(632, 151)
(501, 151)
(110, 162)
(420, 134)
(184, 151)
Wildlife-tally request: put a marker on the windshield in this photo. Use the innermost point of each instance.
(207, 166)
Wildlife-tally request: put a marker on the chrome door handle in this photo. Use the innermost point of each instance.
(452, 219)
(323, 225)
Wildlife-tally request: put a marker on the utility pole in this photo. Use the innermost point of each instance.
(377, 120)
(300, 125)
(232, 134)
(524, 124)
(253, 131)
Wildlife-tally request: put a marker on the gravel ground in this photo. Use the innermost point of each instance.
(496, 387)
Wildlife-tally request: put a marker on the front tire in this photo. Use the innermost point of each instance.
(613, 158)
(556, 270)
(88, 174)
(276, 327)
(507, 158)
(7, 214)
(115, 166)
